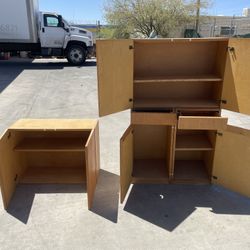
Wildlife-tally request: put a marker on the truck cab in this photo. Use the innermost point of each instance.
(58, 38)
(43, 34)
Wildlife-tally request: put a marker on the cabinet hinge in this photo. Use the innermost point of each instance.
(131, 47)
(231, 49)
(219, 133)
(215, 177)
(223, 101)
(9, 135)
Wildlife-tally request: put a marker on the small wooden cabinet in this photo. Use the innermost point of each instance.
(176, 89)
(49, 151)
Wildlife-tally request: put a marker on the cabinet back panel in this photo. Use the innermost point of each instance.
(150, 142)
(55, 159)
(188, 155)
(175, 90)
(178, 59)
(54, 134)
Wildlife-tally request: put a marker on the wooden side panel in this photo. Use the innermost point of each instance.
(141, 118)
(126, 161)
(97, 151)
(115, 75)
(171, 140)
(92, 165)
(232, 161)
(202, 122)
(12, 165)
(236, 88)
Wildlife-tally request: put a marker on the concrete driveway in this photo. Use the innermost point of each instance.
(152, 217)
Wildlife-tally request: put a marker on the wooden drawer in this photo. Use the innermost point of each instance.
(202, 122)
(147, 118)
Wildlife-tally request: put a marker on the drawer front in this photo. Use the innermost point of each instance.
(147, 118)
(202, 122)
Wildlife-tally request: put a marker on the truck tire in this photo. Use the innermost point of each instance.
(76, 55)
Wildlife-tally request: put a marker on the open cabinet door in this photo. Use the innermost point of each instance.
(12, 166)
(236, 87)
(232, 160)
(115, 75)
(126, 164)
(92, 164)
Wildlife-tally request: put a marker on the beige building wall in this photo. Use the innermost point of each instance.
(225, 26)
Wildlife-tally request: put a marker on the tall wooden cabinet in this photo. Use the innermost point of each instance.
(176, 89)
(49, 151)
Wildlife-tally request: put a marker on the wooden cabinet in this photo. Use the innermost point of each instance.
(49, 151)
(176, 89)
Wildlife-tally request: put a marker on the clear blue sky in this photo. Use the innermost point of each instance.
(88, 11)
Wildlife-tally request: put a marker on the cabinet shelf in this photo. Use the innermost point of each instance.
(190, 171)
(165, 79)
(175, 103)
(54, 175)
(193, 143)
(51, 144)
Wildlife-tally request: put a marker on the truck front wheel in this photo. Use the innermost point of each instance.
(76, 55)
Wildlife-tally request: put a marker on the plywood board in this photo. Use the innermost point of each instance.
(54, 124)
(126, 161)
(92, 167)
(188, 142)
(150, 142)
(190, 171)
(167, 103)
(170, 152)
(232, 160)
(54, 159)
(236, 88)
(147, 118)
(12, 166)
(53, 175)
(150, 171)
(175, 58)
(182, 79)
(202, 123)
(51, 144)
(115, 75)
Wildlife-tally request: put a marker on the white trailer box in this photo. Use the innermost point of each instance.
(18, 21)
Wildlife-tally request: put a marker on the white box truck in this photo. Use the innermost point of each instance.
(24, 28)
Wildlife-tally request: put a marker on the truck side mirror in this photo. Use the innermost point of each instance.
(61, 24)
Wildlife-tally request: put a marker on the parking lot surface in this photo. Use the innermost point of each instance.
(152, 216)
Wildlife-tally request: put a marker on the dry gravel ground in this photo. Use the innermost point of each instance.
(153, 216)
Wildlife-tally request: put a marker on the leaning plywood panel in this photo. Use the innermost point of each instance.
(115, 75)
(92, 166)
(236, 88)
(232, 160)
(126, 161)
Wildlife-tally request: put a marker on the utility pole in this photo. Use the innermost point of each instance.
(197, 23)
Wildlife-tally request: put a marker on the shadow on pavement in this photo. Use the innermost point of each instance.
(167, 206)
(10, 70)
(22, 200)
(106, 199)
